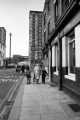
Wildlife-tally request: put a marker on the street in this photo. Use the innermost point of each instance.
(9, 82)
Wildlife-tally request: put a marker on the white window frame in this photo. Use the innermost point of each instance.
(56, 60)
(69, 55)
(70, 76)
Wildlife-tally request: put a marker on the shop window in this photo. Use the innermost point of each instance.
(71, 56)
(71, 52)
(56, 58)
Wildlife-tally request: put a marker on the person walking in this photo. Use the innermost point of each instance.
(28, 75)
(37, 76)
(44, 73)
(23, 68)
(33, 77)
(37, 73)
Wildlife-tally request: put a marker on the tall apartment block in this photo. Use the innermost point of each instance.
(35, 37)
(2, 45)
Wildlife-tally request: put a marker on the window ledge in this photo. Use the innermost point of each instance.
(70, 76)
(56, 73)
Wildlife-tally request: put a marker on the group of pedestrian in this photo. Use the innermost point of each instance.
(37, 73)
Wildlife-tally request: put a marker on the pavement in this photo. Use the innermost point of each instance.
(42, 102)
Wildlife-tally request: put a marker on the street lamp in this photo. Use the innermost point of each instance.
(10, 45)
(10, 34)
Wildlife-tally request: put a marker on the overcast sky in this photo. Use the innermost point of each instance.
(14, 16)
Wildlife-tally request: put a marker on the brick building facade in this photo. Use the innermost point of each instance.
(49, 26)
(62, 43)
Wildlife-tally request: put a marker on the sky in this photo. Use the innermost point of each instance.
(14, 16)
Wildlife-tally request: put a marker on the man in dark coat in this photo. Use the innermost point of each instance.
(44, 73)
(28, 75)
(23, 68)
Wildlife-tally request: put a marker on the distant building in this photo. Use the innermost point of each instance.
(16, 59)
(2, 45)
(19, 58)
(35, 37)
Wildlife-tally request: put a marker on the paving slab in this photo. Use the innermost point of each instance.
(16, 109)
(43, 102)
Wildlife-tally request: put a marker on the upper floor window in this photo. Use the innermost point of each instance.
(48, 28)
(65, 4)
(44, 36)
(48, 6)
(44, 19)
(57, 9)
(60, 7)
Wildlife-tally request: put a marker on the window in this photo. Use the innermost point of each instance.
(71, 53)
(44, 36)
(65, 4)
(56, 10)
(0, 54)
(56, 58)
(48, 28)
(70, 47)
(49, 6)
(44, 19)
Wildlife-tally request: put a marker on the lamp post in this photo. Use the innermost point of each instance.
(10, 45)
(10, 34)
